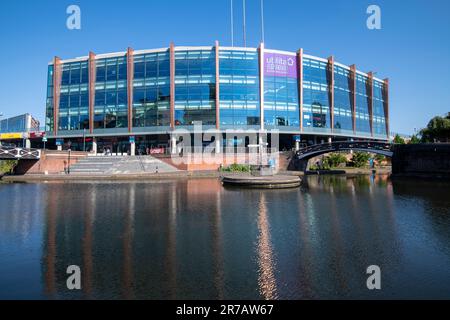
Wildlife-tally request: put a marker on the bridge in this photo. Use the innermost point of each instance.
(12, 153)
(303, 155)
(383, 148)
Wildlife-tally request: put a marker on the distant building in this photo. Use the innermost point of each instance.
(19, 129)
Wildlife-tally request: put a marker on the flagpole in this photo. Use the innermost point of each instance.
(243, 22)
(232, 23)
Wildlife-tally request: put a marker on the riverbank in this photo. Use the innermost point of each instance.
(352, 171)
(170, 175)
(111, 177)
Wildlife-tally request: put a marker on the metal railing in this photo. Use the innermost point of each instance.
(377, 147)
(19, 153)
(226, 150)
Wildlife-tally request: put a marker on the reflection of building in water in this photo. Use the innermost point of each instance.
(266, 263)
(348, 217)
(87, 244)
(217, 247)
(171, 259)
(50, 245)
(126, 240)
(127, 282)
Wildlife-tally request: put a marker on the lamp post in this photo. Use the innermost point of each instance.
(84, 140)
(68, 160)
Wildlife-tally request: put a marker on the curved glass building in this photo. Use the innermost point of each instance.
(142, 96)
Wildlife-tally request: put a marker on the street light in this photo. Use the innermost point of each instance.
(68, 163)
(84, 140)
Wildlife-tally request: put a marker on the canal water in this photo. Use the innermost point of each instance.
(194, 239)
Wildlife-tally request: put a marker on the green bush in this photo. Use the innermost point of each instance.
(398, 139)
(317, 168)
(334, 160)
(236, 168)
(7, 166)
(414, 139)
(360, 159)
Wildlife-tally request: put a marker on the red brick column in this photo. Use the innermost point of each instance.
(92, 76)
(331, 94)
(300, 85)
(386, 105)
(172, 85)
(217, 49)
(130, 77)
(57, 76)
(353, 91)
(370, 93)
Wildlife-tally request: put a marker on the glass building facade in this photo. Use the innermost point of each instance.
(343, 101)
(316, 96)
(379, 120)
(151, 90)
(195, 87)
(281, 101)
(22, 123)
(49, 110)
(239, 88)
(74, 97)
(362, 114)
(336, 100)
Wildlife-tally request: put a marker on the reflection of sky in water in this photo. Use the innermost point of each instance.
(194, 239)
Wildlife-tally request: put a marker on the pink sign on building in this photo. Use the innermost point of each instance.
(280, 65)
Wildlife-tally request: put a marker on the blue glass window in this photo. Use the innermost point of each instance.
(239, 88)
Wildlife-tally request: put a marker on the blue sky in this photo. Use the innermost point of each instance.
(412, 49)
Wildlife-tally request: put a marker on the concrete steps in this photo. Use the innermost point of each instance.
(112, 165)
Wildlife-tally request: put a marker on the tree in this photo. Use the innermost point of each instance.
(437, 130)
(398, 139)
(414, 139)
(360, 159)
(7, 166)
(334, 159)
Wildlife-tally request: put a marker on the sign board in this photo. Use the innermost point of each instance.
(37, 134)
(11, 136)
(280, 65)
(132, 139)
(44, 139)
(59, 142)
(157, 151)
(296, 138)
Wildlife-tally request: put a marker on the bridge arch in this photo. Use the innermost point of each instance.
(303, 155)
